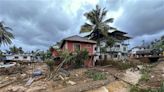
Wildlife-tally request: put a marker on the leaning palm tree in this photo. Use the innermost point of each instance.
(5, 35)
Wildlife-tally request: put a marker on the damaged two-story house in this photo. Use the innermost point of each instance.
(73, 43)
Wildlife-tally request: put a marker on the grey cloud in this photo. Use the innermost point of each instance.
(41, 23)
(36, 23)
(142, 17)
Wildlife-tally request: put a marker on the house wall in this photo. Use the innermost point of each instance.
(69, 46)
(121, 52)
(20, 57)
(134, 51)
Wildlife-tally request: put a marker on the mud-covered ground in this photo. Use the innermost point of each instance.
(17, 80)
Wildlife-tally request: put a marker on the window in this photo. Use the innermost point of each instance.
(105, 57)
(25, 57)
(115, 55)
(95, 48)
(76, 46)
(16, 57)
(100, 57)
(118, 46)
(124, 48)
(89, 45)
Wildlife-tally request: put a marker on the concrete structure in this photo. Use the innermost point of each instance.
(137, 51)
(119, 51)
(21, 57)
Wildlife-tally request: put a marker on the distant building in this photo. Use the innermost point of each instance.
(21, 57)
(73, 43)
(139, 51)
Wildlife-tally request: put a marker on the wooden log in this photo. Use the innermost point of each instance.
(7, 83)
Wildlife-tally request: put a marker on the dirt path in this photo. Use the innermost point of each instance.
(120, 86)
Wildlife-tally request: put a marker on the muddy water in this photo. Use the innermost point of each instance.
(120, 86)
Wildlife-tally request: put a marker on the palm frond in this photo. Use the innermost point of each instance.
(110, 20)
(8, 28)
(86, 28)
(5, 36)
(103, 14)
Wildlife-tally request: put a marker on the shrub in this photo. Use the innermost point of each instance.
(144, 77)
(119, 64)
(145, 73)
(81, 56)
(137, 89)
(96, 75)
(50, 63)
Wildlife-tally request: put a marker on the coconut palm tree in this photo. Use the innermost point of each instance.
(5, 35)
(97, 24)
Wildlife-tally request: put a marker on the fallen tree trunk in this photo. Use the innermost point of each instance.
(85, 86)
(54, 73)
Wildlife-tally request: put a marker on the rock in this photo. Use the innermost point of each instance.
(71, 82)
(61, 77)
(23, 75)
(118, 86)
(139, 67)
(102, 89)
(76, 75)
(152, 76)
(37, 72)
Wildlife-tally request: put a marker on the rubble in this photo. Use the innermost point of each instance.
(29, 82)
(16, 89)
(71, 82)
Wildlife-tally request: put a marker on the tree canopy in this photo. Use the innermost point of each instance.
(5, 35)
(98, 23)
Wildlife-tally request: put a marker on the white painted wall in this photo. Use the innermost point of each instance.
(21, 57)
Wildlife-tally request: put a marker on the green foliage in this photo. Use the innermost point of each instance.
(50, 63)
(5, 35)
(158, 44)
(145, 73)
(110, 42)
(64, 54)
(48, 54)
(16, 50)
(98, 24)
(81, 56)
(103, 49)
(145, 77)
(119, 64)
(96, 75)
(137, 89)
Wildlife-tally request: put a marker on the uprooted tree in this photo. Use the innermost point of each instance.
(77, 58)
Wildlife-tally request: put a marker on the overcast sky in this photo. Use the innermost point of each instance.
(37, 24)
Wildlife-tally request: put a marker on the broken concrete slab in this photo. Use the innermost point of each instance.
(71, 82)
